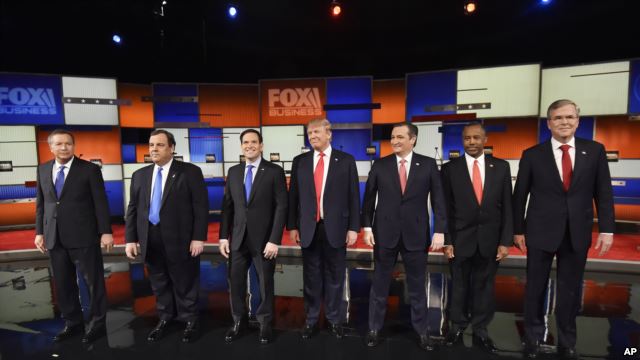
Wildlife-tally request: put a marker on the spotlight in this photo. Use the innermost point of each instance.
(232, 11)
(545, 2)
(116, 39)
(470, 7)
(335, 8)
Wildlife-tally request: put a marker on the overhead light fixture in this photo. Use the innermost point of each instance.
(335, 8)
(116, 39)
(232, 11)
(470, 7)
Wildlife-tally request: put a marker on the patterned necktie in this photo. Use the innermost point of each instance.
(477, 182)
(567, 169)
(156, 199)
(248, 182)
(403, 175)
(59, 181)
(318, 174)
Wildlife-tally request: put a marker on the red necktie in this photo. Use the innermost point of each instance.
(477, 182)
(318, 174)
(567, 169)
(403, 175)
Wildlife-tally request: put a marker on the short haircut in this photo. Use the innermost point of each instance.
(560, 103)
(475, 123)
(170, 137)
(320, 122)
(413, 130)
(242, 134)
(60, 132)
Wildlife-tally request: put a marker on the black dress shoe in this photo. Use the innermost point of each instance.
(372, 339)
(568, 353)
(235, 331)
(266, 334)
(454, 338)
(158, 331)
(425, 342)
(94, 333)
(336, 330)
(484, 343)
(531, 350)
(308, 331)
(190, 332)
(69, 331)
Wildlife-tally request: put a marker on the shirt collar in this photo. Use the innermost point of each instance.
(555, 144)
(165, 167)
(255, 164)
(327, 152)
(470, 159)
(57, 165)
(408, 158)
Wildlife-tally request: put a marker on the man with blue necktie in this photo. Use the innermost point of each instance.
(254, 212)
(166, 222)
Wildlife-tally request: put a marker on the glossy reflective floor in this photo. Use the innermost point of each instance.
(609, 321)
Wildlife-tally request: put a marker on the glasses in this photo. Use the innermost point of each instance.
(568, 118)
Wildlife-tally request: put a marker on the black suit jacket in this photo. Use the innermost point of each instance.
(341, 201)
(404, 215)
(550, 208)
(183, 213)
(264, 217)
(81, 214)
(473, 226)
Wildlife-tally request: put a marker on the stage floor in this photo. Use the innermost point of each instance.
(608, 323)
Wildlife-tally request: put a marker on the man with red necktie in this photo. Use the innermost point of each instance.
(562, 178)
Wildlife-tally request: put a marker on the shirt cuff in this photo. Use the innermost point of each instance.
(221, 240)
(367, 229)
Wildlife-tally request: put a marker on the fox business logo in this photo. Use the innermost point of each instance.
(33, 101)
(294, 102)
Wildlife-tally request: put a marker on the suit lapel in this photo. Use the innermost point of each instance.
(331, 162)
(463, 171)
(73, 169)
(415, 167)
(550, 161)
(47, 178)
(256, 182)
(580, 157)
(306, 169)
(489, 173)
(173, 172)
(146, 179)
(392, 168)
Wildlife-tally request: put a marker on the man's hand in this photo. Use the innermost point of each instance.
(196, 247)
(352, 236)
(270, 251)
(448, 252)
(39, 242)
(132, 249)
(520, 242)
(106, 241)
(604, 243)
(368, 238)
(295, 236)
(223, 246)
(502, 253)
(437, 242)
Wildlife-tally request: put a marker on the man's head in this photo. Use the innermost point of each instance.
(403, 138)
(319, 134)
(474, 137)
(61, 144)
(563, 119)
(162, 144)
(251, 144)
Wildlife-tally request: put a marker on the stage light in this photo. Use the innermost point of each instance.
(116, 39)
(335, 8)
(470, 7)
(232, 11)
(545, 2)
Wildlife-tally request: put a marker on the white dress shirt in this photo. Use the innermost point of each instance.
(56, 167)
(470, 160)
(165, 175)
(407, 165)
(327, 161)
(255, 164)
(557, 153)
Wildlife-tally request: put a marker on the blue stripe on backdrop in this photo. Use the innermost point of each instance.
(584, 131)
(349, 91)
(634, 88)
(203, 142)
(451, 139)
(129, 153)
(175, 111)
(428, 89)
(115, 197)
(631, 189)
(215, 191)
(10, 192)
(354, 142)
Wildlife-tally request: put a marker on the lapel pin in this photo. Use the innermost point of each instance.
(336, 159)
(417, 164)
(584, 152)
(490, 165)
(174, 175)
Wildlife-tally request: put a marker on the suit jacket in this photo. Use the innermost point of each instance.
(81, 214)
(404, 215)
(183, 213)
(473, 226)
(341, 200)
(550, 208)
(263, 218)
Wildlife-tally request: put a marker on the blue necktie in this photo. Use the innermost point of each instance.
(156, 199)
(248, 182)
(59, 181)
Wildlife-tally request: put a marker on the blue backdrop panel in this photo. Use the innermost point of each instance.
(354, 142)
(175, 111)
(213, 277)
(349, 91)
(363, 185)
(10, 192)
(203, 142)
(129, 153)
(585, 129)
(430, 89)
(215, 189)
(115, 197)
(631, 188)
(30, 99)
(451, 139)
(634, 88)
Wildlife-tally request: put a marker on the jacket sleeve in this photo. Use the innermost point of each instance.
(100, 203)
(200, 204)
(521, 194)
(604, 195)
(131, 218)
(370, 195)
(280, 213)
(449, 237)
(354, 196)
(39, 205)
(437, 200)
(506, 234)
(293, 218)
(228, 211)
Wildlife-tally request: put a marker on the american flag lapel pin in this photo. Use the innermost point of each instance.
(336, 159)
(490, 165)
(174, 175)
(417, 164)
(584, 152)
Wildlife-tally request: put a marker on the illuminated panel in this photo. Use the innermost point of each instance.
(115, 199)
(391, 96)
(182, 143)
(618, 133)
(625, 169)
(138, 114)
(289, 102)
(30, 99)
(204, 142)
(599, 89)
(511, 90)
(352, 141)
(229, 105)
(129, 169)
(20, 153)
(355, 90)
(17, 133)
(210, 170)
(363, 167)
(98, 143)
(429, 138)
(509, 137)
(18, 176)
(430, 89)
(284, 140)
(112, 172)
(634, 88)
(87, 113)
(174, 103)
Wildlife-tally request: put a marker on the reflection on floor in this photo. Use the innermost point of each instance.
(609, 321)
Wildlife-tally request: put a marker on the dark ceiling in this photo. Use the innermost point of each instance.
(298, 38)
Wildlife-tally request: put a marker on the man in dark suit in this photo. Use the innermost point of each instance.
(561, 177)
(72, 223)
(478, 194)
(400, 184)
(324, 204)
(255, 207)
(166, 222)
